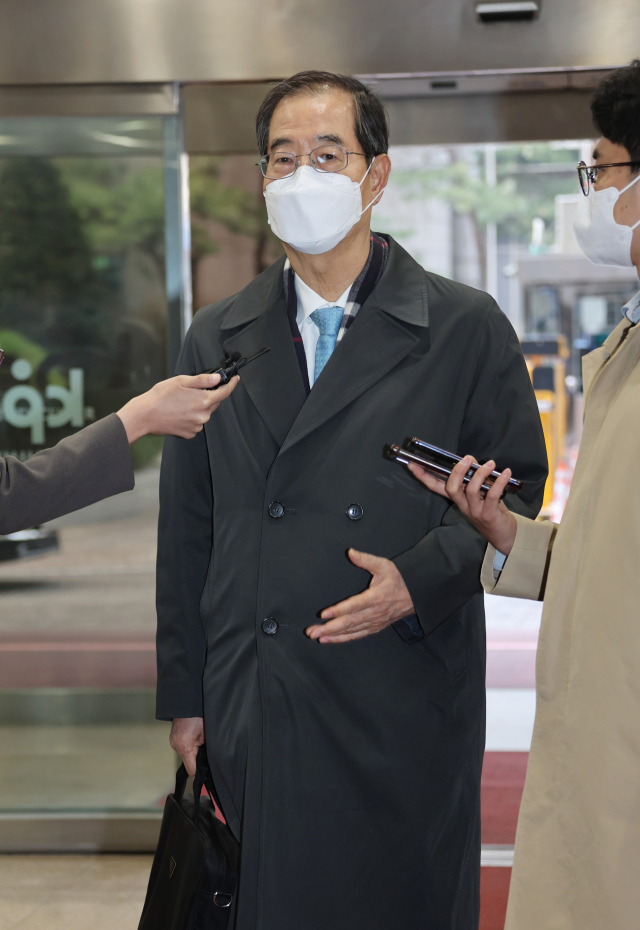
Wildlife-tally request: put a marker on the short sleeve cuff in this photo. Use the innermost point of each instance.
(524, 572)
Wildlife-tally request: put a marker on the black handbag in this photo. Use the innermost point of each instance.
(194, 875)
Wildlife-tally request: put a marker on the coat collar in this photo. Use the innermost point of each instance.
(632, 309)
(593, 362)
(274, 380)
(257, 297)
(401, 291)
(386, 329)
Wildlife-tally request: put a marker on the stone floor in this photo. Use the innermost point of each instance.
(72, 892)
(107, 892)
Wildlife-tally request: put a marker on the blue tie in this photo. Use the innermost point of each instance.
(328, 320)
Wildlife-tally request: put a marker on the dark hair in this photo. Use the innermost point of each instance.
(615, 109)
(371, 123)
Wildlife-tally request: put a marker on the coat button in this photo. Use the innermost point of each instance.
(276, 509)
(269, 626)
(355, 512)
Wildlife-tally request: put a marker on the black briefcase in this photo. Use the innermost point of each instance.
(194, 875)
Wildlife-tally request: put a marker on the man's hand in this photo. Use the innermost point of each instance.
(179, 406)
(385, 601)
(187, 734)
(488, 514)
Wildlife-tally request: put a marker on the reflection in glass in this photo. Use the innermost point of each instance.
(84, 326)
(82, 279)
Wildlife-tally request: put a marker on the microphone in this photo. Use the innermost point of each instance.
(231, 367)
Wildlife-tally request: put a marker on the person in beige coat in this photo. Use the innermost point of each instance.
(577, 851)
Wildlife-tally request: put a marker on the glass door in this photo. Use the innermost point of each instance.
(92, 310)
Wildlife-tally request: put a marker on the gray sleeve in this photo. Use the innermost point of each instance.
(82, 469)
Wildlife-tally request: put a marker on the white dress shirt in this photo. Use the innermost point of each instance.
(308, 301)
(632, 309)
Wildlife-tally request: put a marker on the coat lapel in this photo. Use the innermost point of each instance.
(593, 362)
(273, 381)
(388, 326)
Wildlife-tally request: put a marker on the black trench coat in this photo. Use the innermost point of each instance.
(350, 773)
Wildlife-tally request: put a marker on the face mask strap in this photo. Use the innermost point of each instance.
(619, 194)
(371, 203)
(367, 171)
(624, 189)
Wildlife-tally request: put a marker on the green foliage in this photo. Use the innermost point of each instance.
(145, 450)
(527, 184)
(239, 210)
(233, 207)
(541, 171)
(43, 248)
(465, 191)
(118, 207)
(14, 343)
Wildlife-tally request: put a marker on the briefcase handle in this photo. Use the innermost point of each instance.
(203, 778)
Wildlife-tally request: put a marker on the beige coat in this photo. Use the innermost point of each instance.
(577, 853)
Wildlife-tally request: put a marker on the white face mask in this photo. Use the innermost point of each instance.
(601, 238)
(313, 211)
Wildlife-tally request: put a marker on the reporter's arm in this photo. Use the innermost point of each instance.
(526, 569)
(179, 406)
(95, 462)
(82, 469)
(523, 545)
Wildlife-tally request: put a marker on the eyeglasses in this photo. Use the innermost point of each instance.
(589, 173)
(328, 157)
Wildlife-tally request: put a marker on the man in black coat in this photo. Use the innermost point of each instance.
(320, 615)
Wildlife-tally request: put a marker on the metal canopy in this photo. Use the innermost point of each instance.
(446, 108)
(423, 109)
(158, 41)
(446, 77)
(89, 100)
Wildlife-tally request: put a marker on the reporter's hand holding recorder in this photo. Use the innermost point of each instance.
(486, 511)
(95, 462)
(179, 406)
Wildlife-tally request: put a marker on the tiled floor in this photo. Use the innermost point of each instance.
(72, 892)
(503, 775)
(512, 635)
(494, 892)
(107, 892)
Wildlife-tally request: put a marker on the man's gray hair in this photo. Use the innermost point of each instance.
(371, 121)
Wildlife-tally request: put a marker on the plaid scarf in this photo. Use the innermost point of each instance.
(360, 290)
